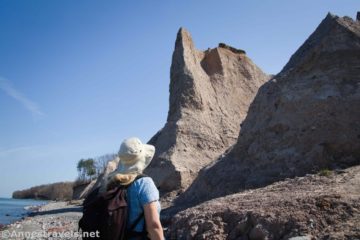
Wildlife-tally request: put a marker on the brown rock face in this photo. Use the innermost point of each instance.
(210, 93)
(303, 120)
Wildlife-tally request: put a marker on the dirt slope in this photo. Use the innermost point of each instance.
(319, 207)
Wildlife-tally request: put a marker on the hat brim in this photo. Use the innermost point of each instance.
(139, 162)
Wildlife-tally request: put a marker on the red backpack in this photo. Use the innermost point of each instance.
(105, 215)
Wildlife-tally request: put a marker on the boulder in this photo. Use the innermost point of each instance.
(210, 92)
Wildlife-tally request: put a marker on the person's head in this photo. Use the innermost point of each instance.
(134, 156)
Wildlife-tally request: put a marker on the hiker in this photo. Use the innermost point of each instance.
(142, 194)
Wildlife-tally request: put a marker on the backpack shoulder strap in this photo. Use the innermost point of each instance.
(141, 216)
(131, 233)
(136, 222)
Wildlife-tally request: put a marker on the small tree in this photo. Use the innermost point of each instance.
(80, 169)
(90, 168)
(86, 169)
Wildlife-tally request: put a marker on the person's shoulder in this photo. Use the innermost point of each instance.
(145, 180)
(145, 184)
(147, 190)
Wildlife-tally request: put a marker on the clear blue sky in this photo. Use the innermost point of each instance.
(77, 77)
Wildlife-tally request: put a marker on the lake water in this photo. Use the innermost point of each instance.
(14, 209)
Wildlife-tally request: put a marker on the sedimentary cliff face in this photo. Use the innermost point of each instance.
(210, 92)
(303, 120)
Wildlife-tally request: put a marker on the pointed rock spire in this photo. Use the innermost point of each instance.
(209, 95)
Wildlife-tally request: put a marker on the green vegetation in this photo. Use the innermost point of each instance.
(86, 169)
(91, 168)
(325, 172)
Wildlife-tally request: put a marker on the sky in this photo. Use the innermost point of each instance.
(78, 77)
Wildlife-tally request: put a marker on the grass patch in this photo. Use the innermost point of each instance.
(325, 172)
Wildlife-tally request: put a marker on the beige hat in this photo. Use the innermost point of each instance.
(134, 156)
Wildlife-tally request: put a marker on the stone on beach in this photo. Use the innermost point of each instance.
(52, 217)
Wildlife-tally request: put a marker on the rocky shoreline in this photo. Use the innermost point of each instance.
(52, 220)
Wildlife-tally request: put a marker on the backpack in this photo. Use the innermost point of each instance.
(107, 213)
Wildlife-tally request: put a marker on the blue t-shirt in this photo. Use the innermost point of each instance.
(140, 193)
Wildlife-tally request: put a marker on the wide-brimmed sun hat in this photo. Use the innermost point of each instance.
(134, 156)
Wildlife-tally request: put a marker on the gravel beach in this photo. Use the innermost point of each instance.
(55, 220)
